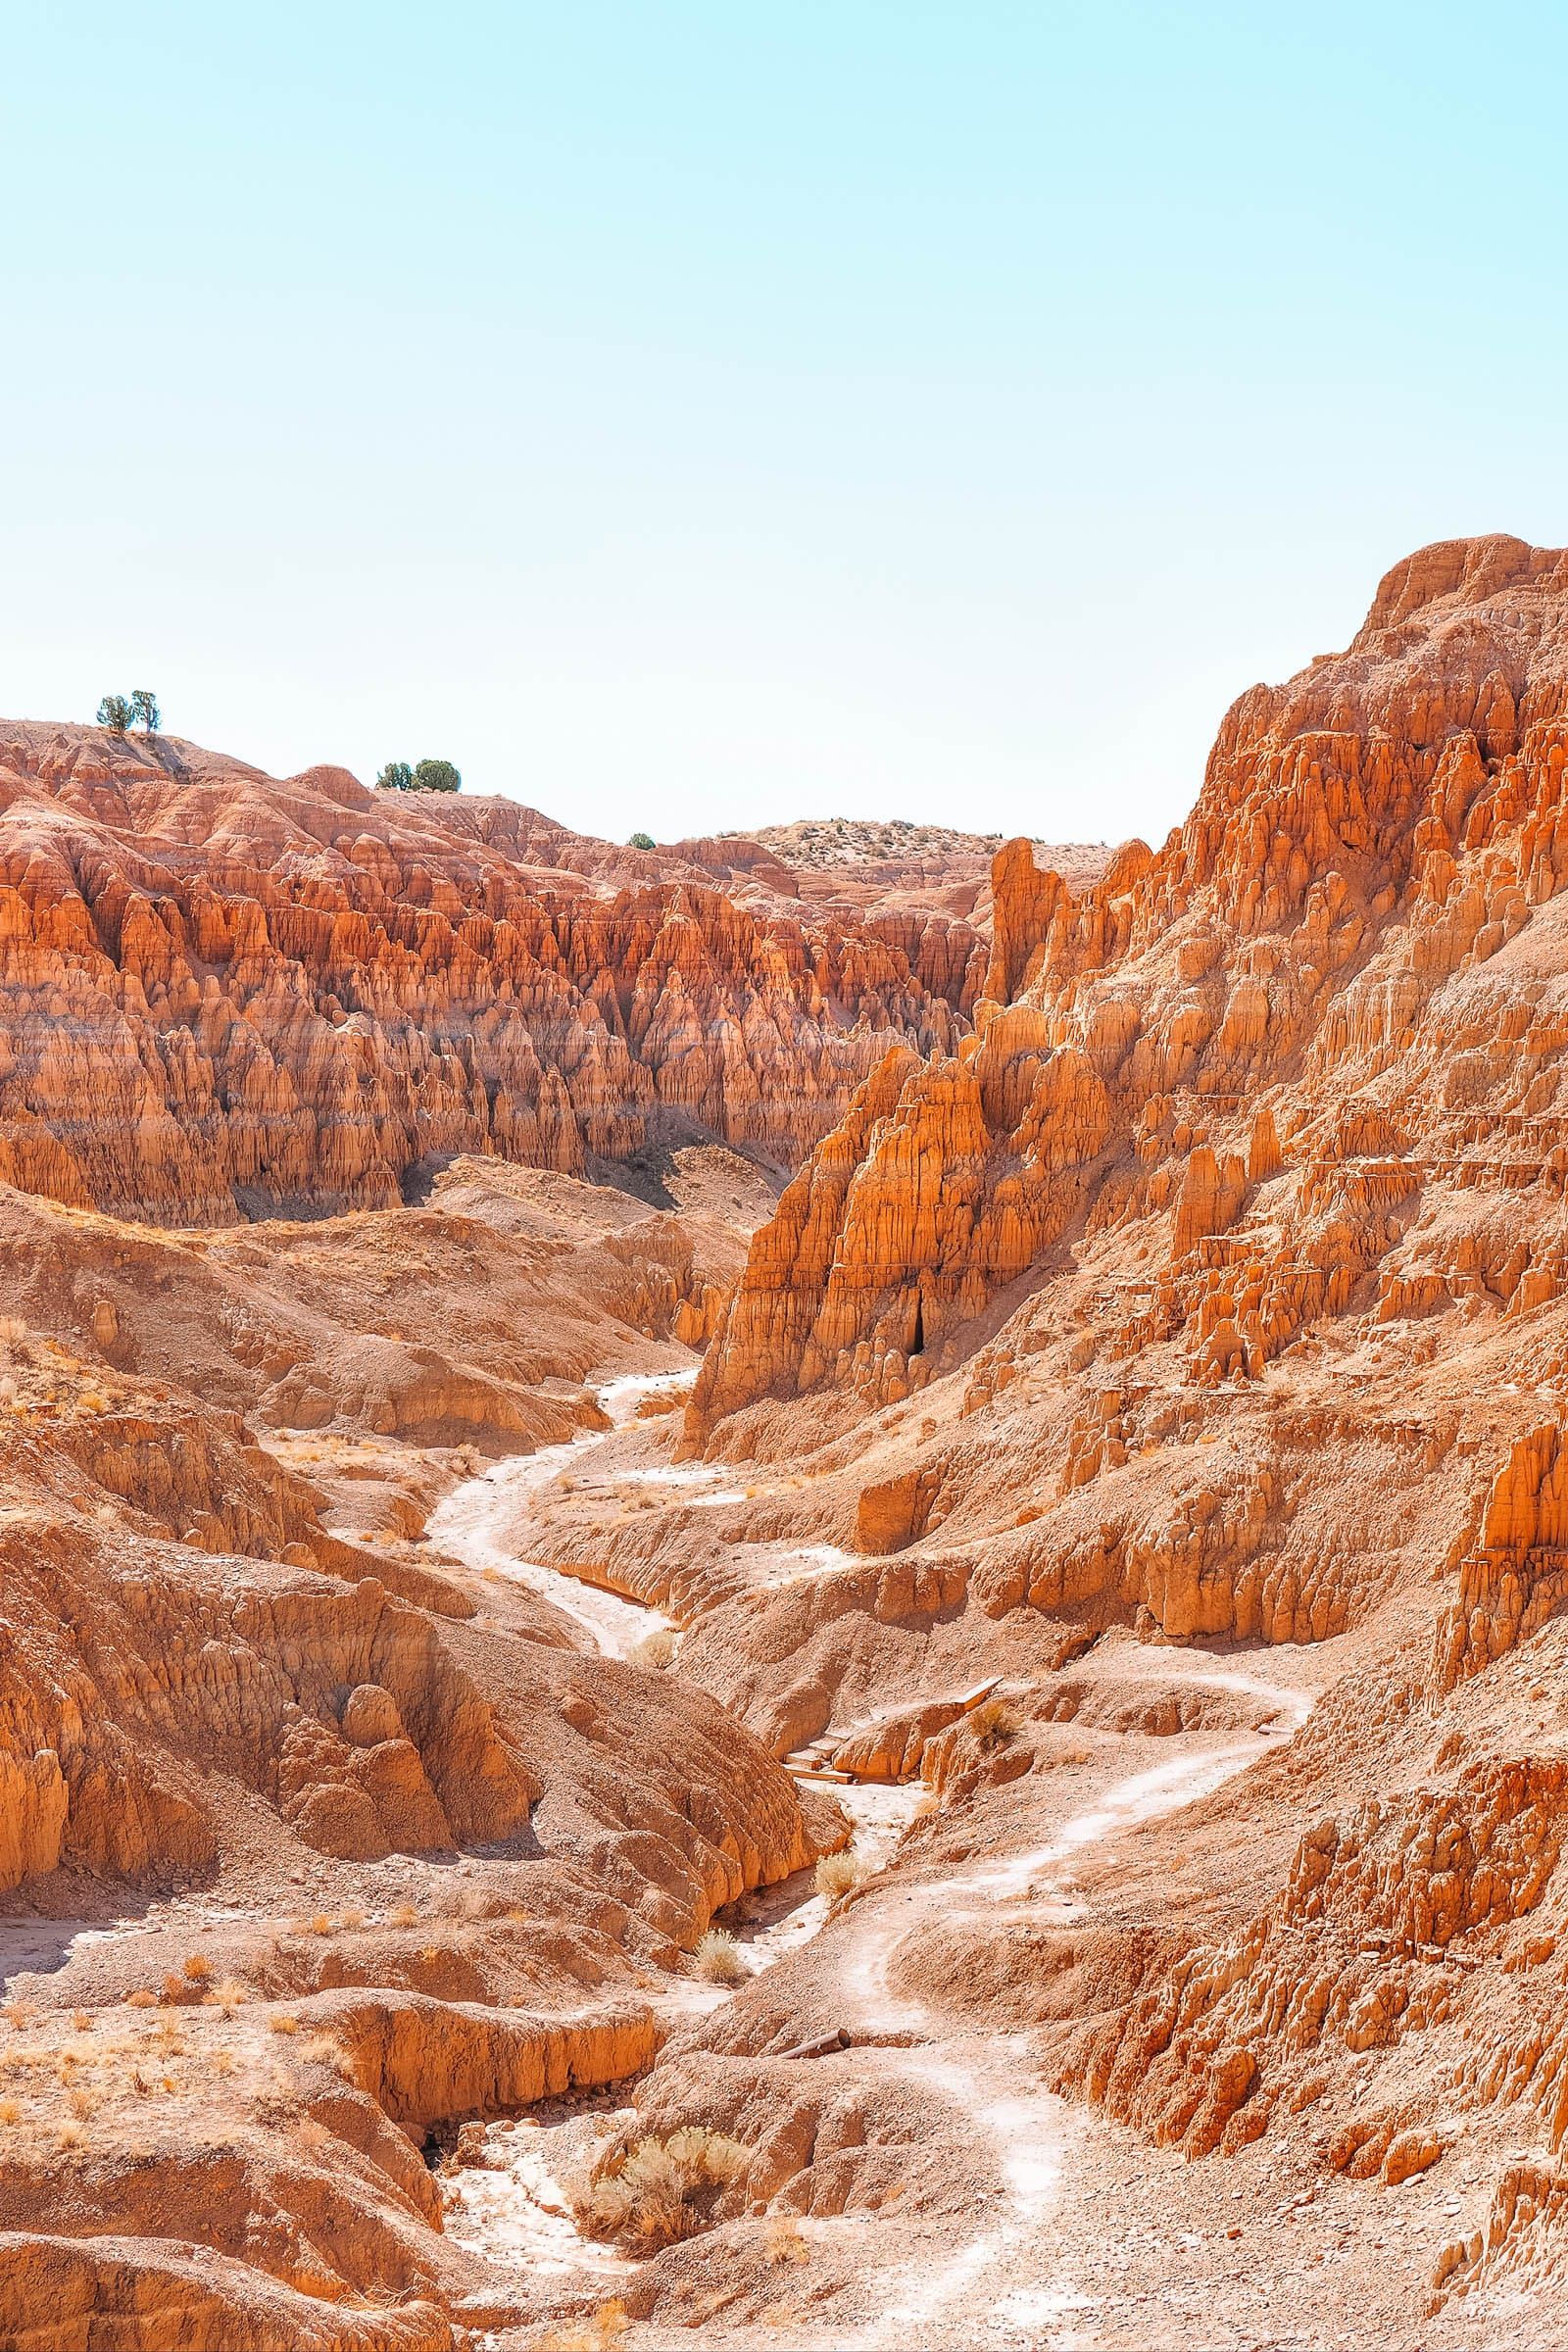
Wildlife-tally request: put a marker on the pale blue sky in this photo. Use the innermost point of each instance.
(690, 416)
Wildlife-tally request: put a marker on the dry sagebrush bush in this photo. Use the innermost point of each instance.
(655, 1651)
(719, 1958)
(659, 2192)
(837, 1873)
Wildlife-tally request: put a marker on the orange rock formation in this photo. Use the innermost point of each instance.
(307, 996)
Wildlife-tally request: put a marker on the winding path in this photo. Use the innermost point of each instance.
(517, 2214)
(473, 1522)
(985, 2073)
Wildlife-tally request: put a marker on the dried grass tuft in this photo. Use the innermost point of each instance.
(719, 1958)
(784, 2241)
(994, 1723)
(659, 2192)
(837, 1873)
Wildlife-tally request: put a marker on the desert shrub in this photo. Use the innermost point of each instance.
(601, 2332)
(395, 776)
(659, 2192)
(655, 1649)
(198, 1968)
(283, 2022)
(642, 841)
(994, 1723)
(837, 1873)
(719, 1958)
(783, 2239)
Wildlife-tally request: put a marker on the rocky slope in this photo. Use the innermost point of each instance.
(1213, 1290)
(255, 1728)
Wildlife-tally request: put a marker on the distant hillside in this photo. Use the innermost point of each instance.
(864, 841)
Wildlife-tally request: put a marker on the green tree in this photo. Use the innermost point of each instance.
(642, 841)
(114, 713)
(144, 710)
(395, 776)
(436, 776)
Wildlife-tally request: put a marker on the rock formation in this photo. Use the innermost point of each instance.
(1313, 956)
(302, 996)
(1125, 1474)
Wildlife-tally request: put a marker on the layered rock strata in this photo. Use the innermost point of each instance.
(227, 996)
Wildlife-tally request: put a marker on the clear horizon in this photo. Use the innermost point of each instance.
(694, 420)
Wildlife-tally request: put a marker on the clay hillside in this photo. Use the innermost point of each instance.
(754, 1599)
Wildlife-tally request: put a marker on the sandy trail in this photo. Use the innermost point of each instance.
(517, 2214)
(475, 1519)
(983, 2073)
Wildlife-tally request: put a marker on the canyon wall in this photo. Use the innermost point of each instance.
(222, 995)
(1334, 996)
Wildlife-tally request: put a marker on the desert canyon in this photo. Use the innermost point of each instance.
(803, 1590)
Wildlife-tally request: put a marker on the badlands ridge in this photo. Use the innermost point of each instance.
(795, 1591)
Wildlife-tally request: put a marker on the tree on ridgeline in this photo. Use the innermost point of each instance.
(144, 710)
(436, 776)
(114, 713)
(431, 775)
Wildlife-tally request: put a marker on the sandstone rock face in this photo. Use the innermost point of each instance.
(1276, 1030)
(301, 995)
(64, 2294)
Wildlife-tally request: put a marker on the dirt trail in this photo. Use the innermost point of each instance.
(518, 2215)
(475, 1519)
(998, 2272)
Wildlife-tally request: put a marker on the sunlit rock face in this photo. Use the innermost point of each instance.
(224, 995)
(1341, 978)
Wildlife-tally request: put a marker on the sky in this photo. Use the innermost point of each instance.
(690, 416)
